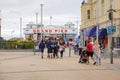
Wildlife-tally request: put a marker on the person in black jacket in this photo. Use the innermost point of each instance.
(41, 47)
(50, 48)
(56, 48)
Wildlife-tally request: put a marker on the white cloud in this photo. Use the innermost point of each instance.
(61, 11)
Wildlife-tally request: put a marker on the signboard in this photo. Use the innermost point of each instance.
(111, 29)
(48, 31)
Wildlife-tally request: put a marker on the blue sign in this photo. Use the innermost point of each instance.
(111, 29)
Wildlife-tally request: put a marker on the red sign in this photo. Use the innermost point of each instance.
(50, 30)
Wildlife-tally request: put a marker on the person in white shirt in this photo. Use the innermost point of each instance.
(96, 49)
(80, 47)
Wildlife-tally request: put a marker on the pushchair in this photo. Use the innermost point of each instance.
(75, 48)
(83, 56)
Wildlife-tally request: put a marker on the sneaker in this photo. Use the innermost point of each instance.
(94, 63)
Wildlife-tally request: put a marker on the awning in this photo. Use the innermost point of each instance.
(101, 33)
(90, 31)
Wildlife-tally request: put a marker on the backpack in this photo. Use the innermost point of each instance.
(42, 45)
(52, 46)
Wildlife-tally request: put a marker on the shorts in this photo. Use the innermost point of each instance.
(89, 54)
(49, 51)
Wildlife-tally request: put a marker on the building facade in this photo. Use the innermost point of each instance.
(95, 13)
(36, 32)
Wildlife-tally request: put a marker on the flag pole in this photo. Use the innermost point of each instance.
(50, 20)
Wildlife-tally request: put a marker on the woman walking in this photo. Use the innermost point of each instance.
(96, 49)
(62, 47)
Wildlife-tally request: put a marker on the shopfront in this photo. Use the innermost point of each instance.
(90, 33)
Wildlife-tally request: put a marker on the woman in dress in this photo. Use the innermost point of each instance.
(96, 49)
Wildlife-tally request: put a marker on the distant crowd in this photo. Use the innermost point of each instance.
(53, 46)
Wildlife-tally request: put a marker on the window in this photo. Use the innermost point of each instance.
(103, 6)
(95, 14)
(117, 42)
(102, 1)
(112, 2)
(88, 14)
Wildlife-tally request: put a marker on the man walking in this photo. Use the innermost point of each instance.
(41, 47)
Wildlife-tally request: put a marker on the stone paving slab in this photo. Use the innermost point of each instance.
(26, 66)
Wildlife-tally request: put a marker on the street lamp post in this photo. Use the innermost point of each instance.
(0, 23)
(41, 20)
(36, 18)
(111, 19)
(69, 24)
(12, 32)
(20, 27)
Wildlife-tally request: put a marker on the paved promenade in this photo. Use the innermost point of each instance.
(26, 66)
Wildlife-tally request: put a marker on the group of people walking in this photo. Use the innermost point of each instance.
(92, 49)
(53, 47)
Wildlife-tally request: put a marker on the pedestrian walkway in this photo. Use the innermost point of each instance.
(115, 65)
(27, 66)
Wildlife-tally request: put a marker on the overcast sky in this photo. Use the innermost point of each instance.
(61, 11)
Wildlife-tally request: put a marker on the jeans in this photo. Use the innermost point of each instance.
(98, 59)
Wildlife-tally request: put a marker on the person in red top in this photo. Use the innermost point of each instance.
(90, 51)
(105, 42)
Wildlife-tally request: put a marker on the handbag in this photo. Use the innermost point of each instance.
(62, 48)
